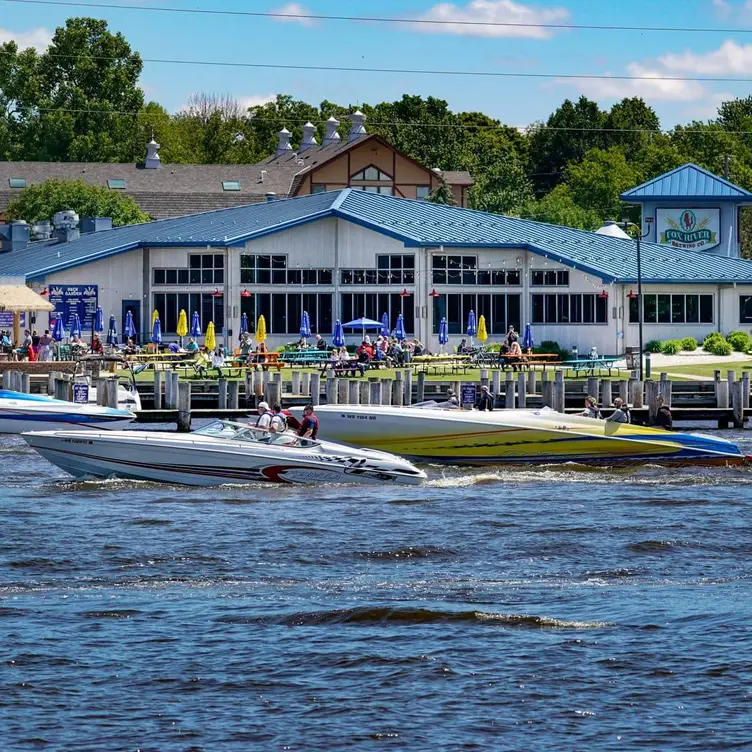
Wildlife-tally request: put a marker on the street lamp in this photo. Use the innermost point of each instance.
(626, 224)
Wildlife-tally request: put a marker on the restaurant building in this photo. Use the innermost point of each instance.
(350, 253)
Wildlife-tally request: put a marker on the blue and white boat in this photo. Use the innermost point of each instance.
(35, 412)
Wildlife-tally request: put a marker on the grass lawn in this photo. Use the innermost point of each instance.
(703, 370)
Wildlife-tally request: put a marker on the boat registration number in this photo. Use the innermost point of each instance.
(358, 417)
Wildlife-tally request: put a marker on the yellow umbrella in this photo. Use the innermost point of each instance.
(209, 342)
(182, 324)
(261, 329)
(482, 331)
(154, 317)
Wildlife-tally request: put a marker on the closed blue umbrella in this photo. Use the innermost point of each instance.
(75, 326)
(443, 332)
(156, 335)
(399, 330)
(244, 323)
(338, 340)
(472, 327)
(99, 320)
(305, 325)
(58, 331)
(196, 325)
(129, 328)
(112, 338)
(528, 342)
(384, 325)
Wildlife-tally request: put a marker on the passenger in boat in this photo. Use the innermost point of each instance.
(663, 417)
(264, 420)
(309, 426)
(620, 413)
(279, 421)
(451, 400)
(591, 409)
(486, 399)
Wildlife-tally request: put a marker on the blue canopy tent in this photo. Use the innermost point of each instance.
(305, 325)
(363, 323)
(528, 342)
(129, 328)
(338, 340)
(156, 334)
(75, 326)
(399, 330)
(195, 325)
(112, 337)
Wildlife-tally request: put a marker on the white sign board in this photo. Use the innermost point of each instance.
(693, 229)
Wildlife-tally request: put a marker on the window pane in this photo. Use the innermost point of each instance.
(319, 188)
(562, 277)
(601, 310)
(159, 276)
(263, 276)
(170, 322)
(219, 313)
(706, 309)
(386, 190)
(454, 314)
(247, 276)
(484, 278)
(219, 276)
(439, 312)
(159, 305)
(309, 277)
(551, 309)
(194, 261)
(439, 276)
(182, 276)
(346, 277)
(677, 309)
(468, 278)
(325, 276)
(745, 309)
(693, 309)
(263, 262)
(538, 315)
(171, 276)
(207, 261)
(207, 311)
(219, 261)
(537, 279)
(439, 262)
(513, 278)
(562, 311)
(247, 261)
(664, 309)
(207, 276)
(634, 311)
(588, 309)
(422, 192)
(324, 317)
(279, 262)
(550, 278)
(575, 309)
(514, 306)
(195, 276)
(371, 173)
(382, 262)
(650, 314)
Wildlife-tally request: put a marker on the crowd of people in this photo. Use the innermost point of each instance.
(31, 347)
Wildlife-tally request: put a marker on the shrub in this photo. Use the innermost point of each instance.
(689, 344)
(654, 346)
(549, 346)
(717, 346)
(671, 347)
(740, 341)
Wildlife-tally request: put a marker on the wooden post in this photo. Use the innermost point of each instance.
(295, 382)
(174, 378)
(639, 399)
(622, 389)
(222, 393)
(558, 392)
(353, 396)
(7, 379)
(375, 397)
(666, 389)
(731, 378)
(737, 404)
(545, 376)
(521, 391)
(112, 393)
(365, 392)
(606, 393)
(717, 375)
(593, 387)
(248, 389)
(259, 383)
(273, 392)
(421, 396)
(652, 390)
(184, 406)
(331, 389)
(343, 392)
(722, 394)
(305, 383)
(51, 376)
(168, 401)
(531, 381)
(25, 382)
(157, 389)
(407, 398)
(496, 382)
(547, 393)
(398, 389)
(509, 395)
(386, 391)
(484, 381)
(745, 389)
(62, 389)
(101, 386)
(233, 389)
(315, 388)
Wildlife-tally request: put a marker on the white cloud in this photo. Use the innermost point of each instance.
(480, 14)
(726, 9)
(709, 107)
(729, 59)
(293, 10)
(38, 38)
(256, 99)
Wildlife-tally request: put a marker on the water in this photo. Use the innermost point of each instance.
(507, 610)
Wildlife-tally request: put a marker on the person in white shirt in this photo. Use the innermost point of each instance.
(265, 417)
(279, 421)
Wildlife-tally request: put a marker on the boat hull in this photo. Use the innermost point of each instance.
(205, 462)
(518, 437)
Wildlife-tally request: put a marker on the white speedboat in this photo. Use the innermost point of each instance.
(127, 392)
(35, 412)
(223, 452)
(472, 437)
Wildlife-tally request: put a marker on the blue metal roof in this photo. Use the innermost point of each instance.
(687, 182)
(415, 223)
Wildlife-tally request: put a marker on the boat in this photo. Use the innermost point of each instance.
(26, 412)
(222, 452)
(432, 433)
(127, 393)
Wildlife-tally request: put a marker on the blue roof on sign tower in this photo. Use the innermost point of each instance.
(687, 182)
(417, 224)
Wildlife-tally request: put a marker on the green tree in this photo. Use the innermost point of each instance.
(41, 202)
(501, 187)
(559, 208)
(442, 195)
(266, 120)
(632, 125)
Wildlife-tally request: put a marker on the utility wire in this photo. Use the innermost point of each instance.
(382, 19)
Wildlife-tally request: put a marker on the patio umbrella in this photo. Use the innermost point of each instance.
(195, 325)
(528, 341)
(210, 341)
(244, 323)
(305, 325)
(99, 320)
(261, 329)
(482, 331)
(156, 332)
(364, 323)
(182, 328)
(154, 316)
(472, 328)
(112, 338)
(338, 340)
(58, 331)
(75, 326)
(129, 329)
(399, 330)
(384, 325)
(443, 332)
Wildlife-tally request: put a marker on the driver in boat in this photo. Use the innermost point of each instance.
(591, 409)
(264, 420)
(451, 401)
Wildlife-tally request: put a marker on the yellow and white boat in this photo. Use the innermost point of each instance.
(471, 437)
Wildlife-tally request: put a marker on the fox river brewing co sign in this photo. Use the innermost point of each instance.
(693, 229)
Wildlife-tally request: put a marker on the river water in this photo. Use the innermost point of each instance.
(519, 609)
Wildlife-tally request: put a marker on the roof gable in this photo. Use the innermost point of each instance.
(687, 182)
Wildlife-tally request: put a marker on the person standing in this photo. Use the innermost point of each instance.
(663, 417)
(511, 336)
(309, 426)
(45, 346)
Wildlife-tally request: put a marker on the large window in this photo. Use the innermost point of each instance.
(374, 305)
(673, 309)
(209, 307)
(558, 278)
(390, 270)
(273, 270)
(464, 270)
(372, 174)
(203, 269)
(570, 309)
(499, 310)
(745, 309)
(282, 311)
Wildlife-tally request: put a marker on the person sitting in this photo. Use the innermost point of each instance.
(24, 350)
(192, 346)
(365, 351)
(264, 421)
(320, 343)
(486, 399)
(131, 348)
(261, 352)
(396, 353)
(302, 344)
(418, 348)
(591, 409)
(663, 417)
(96, 345)
(593, 354)
(279, 421)
(620, 413)
(5, 344)
(78, 347)
(202, 361)
(515, 355)
(462, 348)
(309, 426)
(218, 360)
(451, 401)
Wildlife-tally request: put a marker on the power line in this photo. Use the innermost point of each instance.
(383, 19)
(404, 71)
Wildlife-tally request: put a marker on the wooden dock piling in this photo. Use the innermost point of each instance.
(222, 393)
(421, 388)
(737, 404)
(233, 395)
(353, 389)
(365, 392)
(184, 406)
(315, 389)
(521, 391)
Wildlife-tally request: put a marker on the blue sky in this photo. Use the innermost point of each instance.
(483, 48)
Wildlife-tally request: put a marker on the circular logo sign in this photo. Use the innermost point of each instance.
(688, 220)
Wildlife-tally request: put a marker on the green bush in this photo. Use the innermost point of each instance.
(671, 347)
(654, 346)
(713, 337)
(740, 341)
(549, 346)
(717, 346)
(689, 344)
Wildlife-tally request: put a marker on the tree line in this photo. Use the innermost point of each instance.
(80, 100)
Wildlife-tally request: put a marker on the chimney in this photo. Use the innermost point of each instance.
(309, 137)
(66, 226)
(331, 136)
(283, 147)
(152, 161)
(271, 196)
(95, 224)
(42, 230)
(358, 129)
(263, 176)
(14, 237)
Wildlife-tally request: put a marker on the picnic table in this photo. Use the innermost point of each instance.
(309, 357)
(489, 359)
(444, 364)
(589, 366)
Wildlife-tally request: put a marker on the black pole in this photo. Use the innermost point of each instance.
(639, 297)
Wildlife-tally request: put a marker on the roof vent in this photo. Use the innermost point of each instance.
(14, 237)
(309, 137)
(358, 129)
(271, 196)
(331, 136)
(95, 224)
(263, 176)
(152, 161)
(66, 226)
(283, 145)
(42, 230)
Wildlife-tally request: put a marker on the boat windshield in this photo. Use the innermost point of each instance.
(225, 429)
